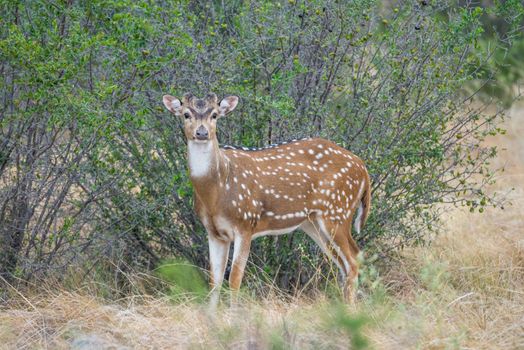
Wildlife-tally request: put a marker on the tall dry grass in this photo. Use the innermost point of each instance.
(466, 290)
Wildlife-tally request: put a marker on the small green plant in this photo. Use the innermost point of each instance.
(369, 281)
(351, 324)
(186, 281)
(434, 275)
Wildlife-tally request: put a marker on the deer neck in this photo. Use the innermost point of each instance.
(207, 169)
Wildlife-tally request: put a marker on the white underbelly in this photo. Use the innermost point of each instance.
(281, 231)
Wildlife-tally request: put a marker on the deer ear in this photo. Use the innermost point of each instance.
(228, 104)
(173, 104)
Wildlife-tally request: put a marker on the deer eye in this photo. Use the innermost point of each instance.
(187, 115)
(214, 116)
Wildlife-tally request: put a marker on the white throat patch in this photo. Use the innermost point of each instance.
(200, 157)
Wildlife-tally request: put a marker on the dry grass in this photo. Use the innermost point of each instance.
(467, 288)
(466, 291)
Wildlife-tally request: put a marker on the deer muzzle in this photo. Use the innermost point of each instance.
(202, 133)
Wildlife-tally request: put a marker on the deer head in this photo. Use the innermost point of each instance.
(200, 115)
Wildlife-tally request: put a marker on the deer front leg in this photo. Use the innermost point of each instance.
(218, 254)
(240, 255)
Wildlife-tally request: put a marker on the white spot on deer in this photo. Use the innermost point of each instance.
(311, 151)
(301, 151)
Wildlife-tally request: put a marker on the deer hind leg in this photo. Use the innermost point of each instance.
(218, 254)
(313, 230)
(351, 251)
(333, 240)
(343, 245)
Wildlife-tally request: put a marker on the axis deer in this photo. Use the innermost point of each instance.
(242, 194)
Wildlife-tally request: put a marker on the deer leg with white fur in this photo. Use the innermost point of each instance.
(335, 241)
(218, 254)
(342, 245)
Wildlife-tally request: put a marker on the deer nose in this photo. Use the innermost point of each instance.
(202, 133)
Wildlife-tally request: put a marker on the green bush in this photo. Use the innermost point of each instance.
(93, 170)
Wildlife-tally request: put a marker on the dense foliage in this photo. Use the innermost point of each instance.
(92, 169)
